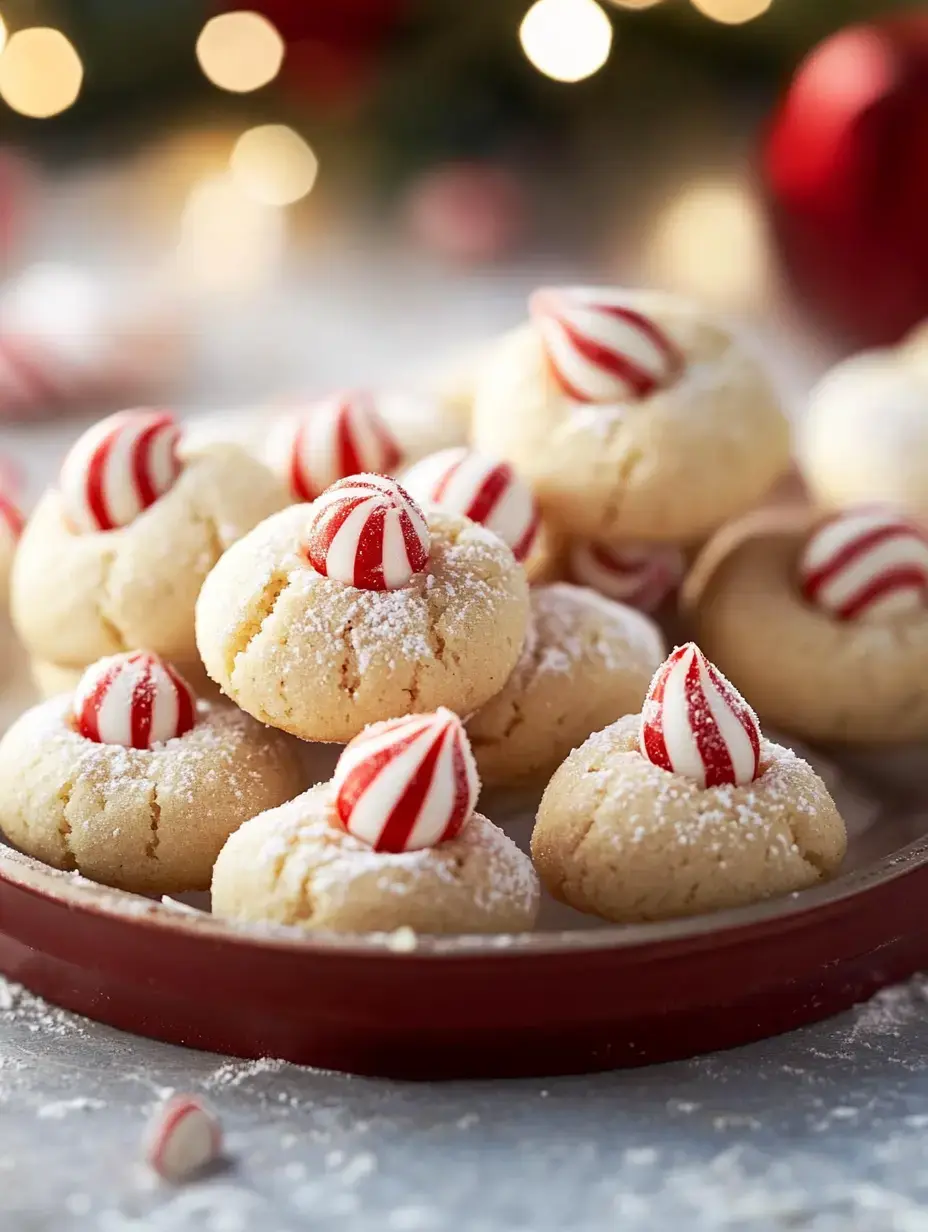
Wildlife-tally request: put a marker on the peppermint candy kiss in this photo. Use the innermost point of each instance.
(342, 436)
(368, 532)
(635, 574)
(407, 783)
(480, 488)
(599, 349)
(184, 1136)
(135, 699)
(695, 723)
(866, 564)
(11, 520)
(118, 468)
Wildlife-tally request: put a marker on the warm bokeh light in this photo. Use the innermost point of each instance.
(40, 72)
(240, 51)
(635, 4)
(732, 12)
(3, 33)
(566, 39)
(710, 241)
(273, 164)
(228, 242)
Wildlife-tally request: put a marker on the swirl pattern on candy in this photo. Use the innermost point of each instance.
(407, 783)
(118, 468)
(599, 349)
(135, 699)
(340, 436)
(695, 723)
(632, 573)
(11, 520)
(480, 488)
(866, 564)
(367, 531)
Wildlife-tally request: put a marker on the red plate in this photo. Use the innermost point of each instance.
(558, 1001)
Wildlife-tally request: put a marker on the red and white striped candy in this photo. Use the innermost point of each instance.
(11, 520)
(341, 436)
(695, 722)
(118, 468)
(599, 349)
(367, 531)
(480, 488)
(407, 783)
(183, 1137)
(866, 564)
(632, 573)
(135, 699)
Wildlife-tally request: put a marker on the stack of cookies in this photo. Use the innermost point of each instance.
(490, 611)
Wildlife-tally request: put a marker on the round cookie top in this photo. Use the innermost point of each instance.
(407, 783)
(696, 724)
(480, 488)
(367, 532)
(118, 468)
(135, 699)
(344, 434)
(867, 563)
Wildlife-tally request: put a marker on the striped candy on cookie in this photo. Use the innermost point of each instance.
(367, 531)
(407, 783)
(632, 573)
(866, 564)
(480, 488)
(694, 722)
(118, 468)
(135, 699)
(340, 436)
(599, 349)
(11, 520)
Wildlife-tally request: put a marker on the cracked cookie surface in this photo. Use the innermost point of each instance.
(322, 659)
(78, 597)
(148, 820)
(670, 467)
(587, 661)
(619, 837)
(295, 865)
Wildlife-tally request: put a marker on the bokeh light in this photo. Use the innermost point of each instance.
(710, 241)
(40, 72)
(273, 164)
(240, 51)
(3, 33)
(566, 40)
(635, 4)
(732, 12)
(228, 242)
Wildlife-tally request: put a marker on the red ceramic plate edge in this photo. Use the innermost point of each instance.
(546, 1003)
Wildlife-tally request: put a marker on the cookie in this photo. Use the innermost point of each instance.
(864, 437)
(631, 415)
(152, 818)
(586, 662)
(683, 809)
(79, 593)
(822, 621)
(322, 656)
(392, 842)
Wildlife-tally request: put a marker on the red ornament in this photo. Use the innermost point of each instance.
(466, 212)
(846, 168)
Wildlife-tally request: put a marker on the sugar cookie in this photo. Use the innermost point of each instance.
(822, 621)
(586, 662)
(133, 783)
(683, 809)
(392, 842)
(322, 657)
(78, 593)
(631, 415)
